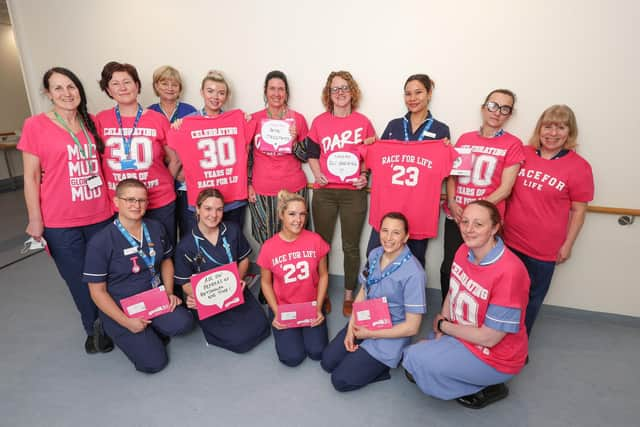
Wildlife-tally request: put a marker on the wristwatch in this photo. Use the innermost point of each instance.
(439, 325)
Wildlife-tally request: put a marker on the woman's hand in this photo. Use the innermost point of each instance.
(35, 228)
(362, 333)
(137, 325)
(174, 301)
(349, 341)
(191, 302)
(319, 319)
(277, 324)
(321, 179)
(252, 194)
(370, 140)
(176, 124)
(456, 211)
(361, 181)
(435, 325)
(564, 253)
(293, 131)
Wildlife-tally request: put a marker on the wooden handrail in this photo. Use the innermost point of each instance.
(590, 208)
(7, 134)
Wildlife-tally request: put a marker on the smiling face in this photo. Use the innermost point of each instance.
(553, 136)
(210, 212)
(340, 93)
(477, 229)
(294, 217)
(63, 93)
(495, 119)
(393, 235)
(416, 97)
(168, 89)
(122, 88)
(276, 93)
(214, 95)
(131, 203)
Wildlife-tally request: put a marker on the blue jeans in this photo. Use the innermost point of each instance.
(540, 274)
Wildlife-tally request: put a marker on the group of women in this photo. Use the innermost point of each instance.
(80, 169)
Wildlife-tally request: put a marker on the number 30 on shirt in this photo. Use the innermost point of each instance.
(217, 152)
(141, 152)
(462, 306)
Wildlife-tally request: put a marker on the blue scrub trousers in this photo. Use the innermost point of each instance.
(351, 371)
(185, 218)
(239, 329)
(67, 247)
(145, 349)
(293, 345)
(540, 274)
(417, 247)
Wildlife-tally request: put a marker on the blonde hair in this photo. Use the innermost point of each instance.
(218, 77)
(354, 89)
(166, 72)
(285, 197)
(558, 114)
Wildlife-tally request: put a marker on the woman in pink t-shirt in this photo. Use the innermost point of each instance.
(66, 198)
(548, 204)
(340, 174)
(293, 270)
(135, 144)
(275, 161)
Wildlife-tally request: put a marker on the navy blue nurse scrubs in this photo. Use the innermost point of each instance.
(243, 327)
(110, 259)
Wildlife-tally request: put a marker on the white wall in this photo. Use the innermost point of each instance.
(580, 53)
(14, 107)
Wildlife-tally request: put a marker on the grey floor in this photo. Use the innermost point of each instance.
(583, 371)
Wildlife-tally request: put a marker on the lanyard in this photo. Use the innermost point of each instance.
(150, 259)
(200, 250)
(389, 271)
(174, 116)
(127, 141)
(426, 128)
(75, 138)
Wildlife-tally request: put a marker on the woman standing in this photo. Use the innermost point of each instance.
(293, 267)
(480, 338)
(167, 85)
(496, 159)
(135, 144)
(272, 169)
(358, 356)
(66, 199)
(211, 244)
(336, 134)
(417, 125)
(548, 204)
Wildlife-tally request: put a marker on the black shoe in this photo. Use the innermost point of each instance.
(484, 397)
(165, 339)
(90, 345)
(409, 376)
(102, 342)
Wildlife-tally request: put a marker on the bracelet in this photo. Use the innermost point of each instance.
(439, 325)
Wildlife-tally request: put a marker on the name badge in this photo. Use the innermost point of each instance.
(128, 164)
(155, 282)
(130, 251)
(429, 134)
(94, 182)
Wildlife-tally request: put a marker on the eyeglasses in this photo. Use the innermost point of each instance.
(344, 89)
(492, 107)
(133, 201)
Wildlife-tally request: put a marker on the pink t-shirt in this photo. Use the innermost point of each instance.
(147, 149)
(213, 151)
(294, 266)
(273, 172)
(338, 138)
(490, 156)
(407, 178)
(537, 214)
(65, 198)
(473, 288)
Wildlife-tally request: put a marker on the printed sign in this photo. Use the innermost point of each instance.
(298, 315)
(372, 313)
(463, 163)
(147, 304)
(217, 290)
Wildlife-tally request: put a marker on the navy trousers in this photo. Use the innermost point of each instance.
(295, 344)
(167, 216)
(452, 241)
(145, 349)
(351, 370)
(67, 247)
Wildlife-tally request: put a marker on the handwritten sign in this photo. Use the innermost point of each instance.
(217, 290)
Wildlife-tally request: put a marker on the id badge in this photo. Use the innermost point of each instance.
(155, 282)
(94, 182)
(128, 164)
